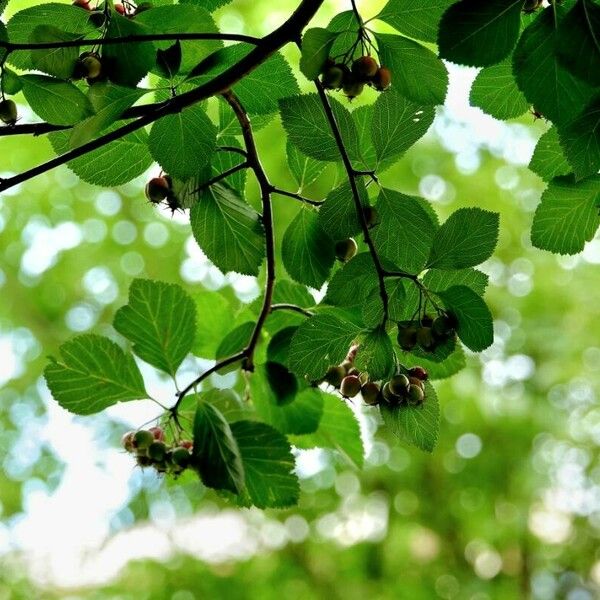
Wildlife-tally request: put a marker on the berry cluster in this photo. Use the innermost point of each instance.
(428, 333)
(353, 78)
(151, 450)
(8, 112)
(407, 387)
(125, 9)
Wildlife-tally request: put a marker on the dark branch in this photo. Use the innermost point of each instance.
(290, 31)
(222, 176)
(130, 39)
(352, 174)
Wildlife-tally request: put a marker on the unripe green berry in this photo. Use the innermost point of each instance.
(407, 337)
(399, 385)
(387, 394)
(157, 451)
(352, 89)
(335, 375)
(415, 395)
(8, 112)
(142, 439)
(350, 386)
(346, 249)
(332, 78)
(425, 338)
(370, 393)
(181, 457)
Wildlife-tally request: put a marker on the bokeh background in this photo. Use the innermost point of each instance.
(508, 506)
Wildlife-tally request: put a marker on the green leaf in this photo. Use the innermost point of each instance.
(307, 251)
(353, 282)
(397, 124)
(168, 61)
(22, 27)
(578, 44)
(109, 103)
(438, 280)
(215, 317)
(337, 215)
(209, 5)
(415, 18)
(268, 465)
(58, 102)
(262, 88)
(127, 64)
(495, 91)
(316, 44)
(338, 429)
(417, 425)
(321, 341)
(376, 355)
(300, 416)
(11, 82)
(306, 124)
(547, 85)
(182, 19)
(92, 374)
(451, 365)
(223, 161)
(479, 34)
(580, 139)
(159, 320)
(372, 308)
(467, 238)
(567, 216)
(216, 454)
(235, 341)
(183, 143)
(405, 232)
(59, 62)
(105, 166)
(303, 168)
(228, 230)
(475, 326)
(363, 117)
(417, 72)
(548, 160)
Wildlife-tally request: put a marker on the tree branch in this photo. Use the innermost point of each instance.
(130, 39)
(267, 219)
(221, 176)
(290, 31)
(352, 175)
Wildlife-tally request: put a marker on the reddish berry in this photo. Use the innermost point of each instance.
(364, 67)
(127, 441)
(187, 444)
(158, 189)
(350, 386)
(82, 4)
(382, 79)
(121, 9)
(158, 433)
(419, 373)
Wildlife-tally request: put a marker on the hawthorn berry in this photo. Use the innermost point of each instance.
(127, 441)
(88, 66)
(350, 386)
(345, 249)
(335, 375)
(143, 461)
(120, 8)
(82, 4)
(531, 6)
(370, 393)
(416, 381)
(352, 89)
(158, 189)
(157, 451)
(370, 213)
(407, 337)
(142, 439)
(399, 385)
(158, 433)
(442, 326)
(425, 338)
(382, 79)
(419, 373)
(333, 77)
(364, 67)
(389, 396)
(180, 457)
(416, 395)
(8, 112)
(187, 444)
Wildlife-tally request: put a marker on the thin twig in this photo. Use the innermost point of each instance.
(293, 308)
(296, 196)
(222, 176)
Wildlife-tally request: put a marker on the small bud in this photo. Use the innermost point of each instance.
(350, 386)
